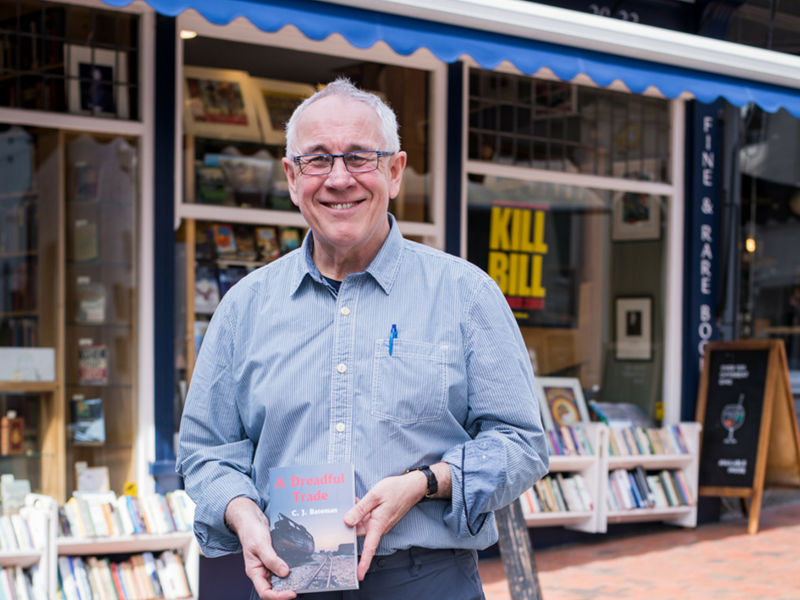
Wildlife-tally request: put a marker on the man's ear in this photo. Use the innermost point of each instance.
(397, 164)
(288, 168)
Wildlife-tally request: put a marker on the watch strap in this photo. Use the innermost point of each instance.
(433, 483)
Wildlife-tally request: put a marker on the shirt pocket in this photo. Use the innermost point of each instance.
(410, 385)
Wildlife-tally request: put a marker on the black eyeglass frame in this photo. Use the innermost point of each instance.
(380, 154)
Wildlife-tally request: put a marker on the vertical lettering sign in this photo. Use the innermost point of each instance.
(516, 255)
(702, 255)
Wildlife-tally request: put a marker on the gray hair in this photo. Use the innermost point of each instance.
(343, 88)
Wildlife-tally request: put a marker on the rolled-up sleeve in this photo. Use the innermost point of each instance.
(507, 453)
(215, 455)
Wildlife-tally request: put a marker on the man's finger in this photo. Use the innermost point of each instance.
(356, 514)
(367, 552)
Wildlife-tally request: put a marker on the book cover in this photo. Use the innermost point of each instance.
(88, 422)
(289, 239)
(211, 186)
(306, 510)
(206, 290)
(90, 302)
(200, 328)
(12, 434)
(224, 240)
(268, 245)
(84, 182)
(85, 245)
(245, 242)
(93, 364)
(228, 277)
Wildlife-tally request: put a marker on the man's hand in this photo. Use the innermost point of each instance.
(260, 561)
(387, 503)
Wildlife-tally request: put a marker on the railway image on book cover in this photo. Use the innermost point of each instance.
(307, 509)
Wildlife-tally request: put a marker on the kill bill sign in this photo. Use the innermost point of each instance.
(516, 253)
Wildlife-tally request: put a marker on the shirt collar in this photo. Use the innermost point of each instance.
(383, 267)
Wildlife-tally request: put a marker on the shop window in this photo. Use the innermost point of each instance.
(71, 59)
(558, 126)
(266, 84)
(769, 297)
(570, 260)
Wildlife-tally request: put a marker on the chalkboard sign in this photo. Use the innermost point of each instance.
(733, 415)
(750, 437)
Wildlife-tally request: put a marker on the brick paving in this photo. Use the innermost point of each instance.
(716, 561)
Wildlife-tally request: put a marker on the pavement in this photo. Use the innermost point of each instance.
(713, 561)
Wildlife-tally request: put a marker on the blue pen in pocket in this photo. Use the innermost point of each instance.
(392, 336)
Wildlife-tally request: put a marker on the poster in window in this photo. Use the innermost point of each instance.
(634, 328)
(218, 103)
(637, 216)
(97, 81)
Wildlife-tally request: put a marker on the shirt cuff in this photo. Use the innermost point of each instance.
(478, 472)
(210, 528)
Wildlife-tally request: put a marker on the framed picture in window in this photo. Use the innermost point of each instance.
(219, 103)
(276, 103)
(634, 328)
(636, 216)
(97, 81)
(561, 401)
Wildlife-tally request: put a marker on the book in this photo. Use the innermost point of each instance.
(624, 414)
(90, 302)
(224, 240)
(12, 434)
(206, 290)
(200, 328)
(289, 239)
(245, 242)
(306, 513)
(83, 182)
(212, 187)
(88, 423)
(93, 364)
(268, 244)
(228, 277)
(85, 246)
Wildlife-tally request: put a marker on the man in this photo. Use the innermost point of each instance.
(297, 368)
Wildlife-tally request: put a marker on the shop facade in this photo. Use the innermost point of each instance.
(580, 161)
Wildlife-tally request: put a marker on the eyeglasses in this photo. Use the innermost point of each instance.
(355, 162)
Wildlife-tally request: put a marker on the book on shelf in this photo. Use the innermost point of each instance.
(103, 514)
(17, 583)
(85, 245)
(212, 187)
(84, 178)
(289, 239)
(646, 441)
(245, 242)
(224, 240)
(228, 277)
(307, 508)
(206, 290)
(557, 493)
(12, 493)
(568, 441)
(635, 488)
(268, 244)
(200, 328)
(92, 364)
(88, 423)
(623, 414)
(12, 434)
(90, 301)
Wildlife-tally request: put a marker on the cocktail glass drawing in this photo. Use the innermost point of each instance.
(732, 418)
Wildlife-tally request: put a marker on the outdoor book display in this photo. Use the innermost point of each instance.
(750, 436)
(26, 537)
(620, 470)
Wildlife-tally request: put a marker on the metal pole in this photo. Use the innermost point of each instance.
(517, 553)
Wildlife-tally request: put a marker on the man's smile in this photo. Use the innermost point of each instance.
(341, 205)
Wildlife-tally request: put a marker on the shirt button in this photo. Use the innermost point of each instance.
(345, 311)
(340, 427)
(341, 368)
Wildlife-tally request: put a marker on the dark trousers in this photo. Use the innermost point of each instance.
(416, 574)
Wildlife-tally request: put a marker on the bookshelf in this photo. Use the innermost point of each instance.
(589, 469)
(688, 464)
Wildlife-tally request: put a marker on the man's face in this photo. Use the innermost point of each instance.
(346, 211)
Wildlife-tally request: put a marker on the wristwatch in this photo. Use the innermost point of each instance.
(433, 483)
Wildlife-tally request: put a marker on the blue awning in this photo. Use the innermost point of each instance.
(406, 35)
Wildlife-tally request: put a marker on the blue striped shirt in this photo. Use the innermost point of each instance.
(293, 373)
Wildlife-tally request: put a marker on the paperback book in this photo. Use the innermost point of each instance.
(88, 423)
(206, 290)
(306, 511)
(268, 245)
(93, 364)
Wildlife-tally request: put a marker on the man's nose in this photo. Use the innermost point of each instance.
(339, 175)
